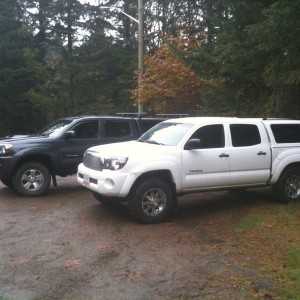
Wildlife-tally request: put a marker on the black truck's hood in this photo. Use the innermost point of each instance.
(16, 139)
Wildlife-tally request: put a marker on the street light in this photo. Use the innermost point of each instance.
(141, 51)
(140, 23)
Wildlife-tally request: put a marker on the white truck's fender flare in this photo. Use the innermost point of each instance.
(282, 161)
(151, 166)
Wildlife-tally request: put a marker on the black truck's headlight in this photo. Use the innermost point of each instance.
(5, 149)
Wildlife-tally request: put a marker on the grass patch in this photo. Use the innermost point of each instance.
(292, 273)
(248, 223)
(269, 238)
(293, 258)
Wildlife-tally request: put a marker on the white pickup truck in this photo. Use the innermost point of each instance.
(185, 155)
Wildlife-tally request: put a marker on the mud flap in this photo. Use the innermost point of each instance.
(54, 180)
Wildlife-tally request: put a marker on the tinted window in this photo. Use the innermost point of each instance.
(243, 135)
(87, 130)
(116, 128)
(286, 133)
(211, 136)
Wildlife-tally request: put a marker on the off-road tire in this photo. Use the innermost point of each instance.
(151, 201)
(31, 179)
(287, 189)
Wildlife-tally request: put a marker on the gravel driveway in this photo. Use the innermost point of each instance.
(66, 245)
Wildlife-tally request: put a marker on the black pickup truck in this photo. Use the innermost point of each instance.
(27, 163)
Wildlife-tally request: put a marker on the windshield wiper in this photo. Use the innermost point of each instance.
(153, 142)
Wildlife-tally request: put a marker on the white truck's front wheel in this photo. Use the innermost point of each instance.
(287, 188)
(151, 201)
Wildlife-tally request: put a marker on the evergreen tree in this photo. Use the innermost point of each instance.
(235, 62)
(61, 58)
(278, 37)
(15, 77)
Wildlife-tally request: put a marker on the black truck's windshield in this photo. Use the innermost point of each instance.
(55, 128)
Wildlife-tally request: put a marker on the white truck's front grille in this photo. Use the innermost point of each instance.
(91, 161)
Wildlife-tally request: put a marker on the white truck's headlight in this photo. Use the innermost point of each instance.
(113, 163)
(5, 149)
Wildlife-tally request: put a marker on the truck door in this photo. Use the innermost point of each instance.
(208, 165)
(250, 154)
(86, 135)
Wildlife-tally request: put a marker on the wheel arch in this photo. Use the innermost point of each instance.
(279, 173)
(164, 175)
(40, 158)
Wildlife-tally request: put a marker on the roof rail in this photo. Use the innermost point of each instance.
(172, 115)
(265, 119)
(137, 115)
(140, 115)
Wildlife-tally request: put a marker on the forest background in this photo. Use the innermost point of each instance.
(208, 57)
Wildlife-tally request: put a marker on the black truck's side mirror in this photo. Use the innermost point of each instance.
(70, 134)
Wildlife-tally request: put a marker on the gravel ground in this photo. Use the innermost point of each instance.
(66, 245)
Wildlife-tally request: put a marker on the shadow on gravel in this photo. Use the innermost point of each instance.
(116, 212)
(206, 203)
(192, 206)
(64, 186)
(62, 191)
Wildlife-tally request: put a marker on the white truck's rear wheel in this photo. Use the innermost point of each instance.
(287, 188)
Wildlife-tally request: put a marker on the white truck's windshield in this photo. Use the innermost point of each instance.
(166, 133)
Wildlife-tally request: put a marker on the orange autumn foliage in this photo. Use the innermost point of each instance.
(169, 85)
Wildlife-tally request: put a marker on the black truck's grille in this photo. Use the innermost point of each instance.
(91, 161)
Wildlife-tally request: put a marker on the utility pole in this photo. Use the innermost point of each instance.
(141, 51)
(140, 22)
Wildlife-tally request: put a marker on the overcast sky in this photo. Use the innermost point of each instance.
(92, 2)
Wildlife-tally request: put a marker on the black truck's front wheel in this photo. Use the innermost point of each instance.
(287, 188)
(31, 179)
(151, 201)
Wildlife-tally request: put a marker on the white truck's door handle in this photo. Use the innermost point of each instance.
(224, 155)
(261, 153)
